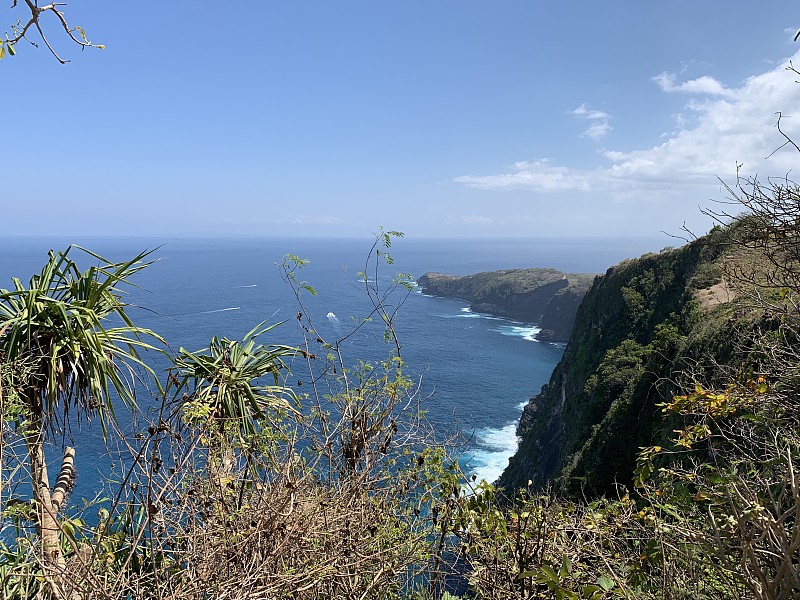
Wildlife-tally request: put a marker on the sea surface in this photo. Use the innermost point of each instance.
(475, 371)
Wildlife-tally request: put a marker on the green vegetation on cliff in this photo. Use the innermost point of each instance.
(641, 325)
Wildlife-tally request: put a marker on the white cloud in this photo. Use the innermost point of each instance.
(539, 176)
(587, 113)
(728, 126)
(597, 130)
(702, 85)
(600, 125)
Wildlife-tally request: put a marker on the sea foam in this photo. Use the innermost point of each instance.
(494, 447)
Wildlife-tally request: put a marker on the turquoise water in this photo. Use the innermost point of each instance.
(475, 371)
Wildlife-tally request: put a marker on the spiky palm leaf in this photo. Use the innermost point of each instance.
(57, 328)
(228, 378)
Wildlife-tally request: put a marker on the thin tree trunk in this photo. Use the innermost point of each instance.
(46, 523)
(2, 430)
(47, 528)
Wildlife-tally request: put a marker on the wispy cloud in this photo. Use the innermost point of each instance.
(538, 175)
(588, 113)
(597, 130)
(600, 121)
(725, 127)
(702, 85)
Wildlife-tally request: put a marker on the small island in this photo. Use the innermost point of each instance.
(547, 297)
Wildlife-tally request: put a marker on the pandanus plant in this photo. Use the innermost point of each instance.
(231, 388)
(236, 383)
(72, 349)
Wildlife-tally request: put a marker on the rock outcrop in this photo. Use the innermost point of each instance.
(546, 297)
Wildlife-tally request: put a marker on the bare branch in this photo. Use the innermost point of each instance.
(788, 139)
(20, 30)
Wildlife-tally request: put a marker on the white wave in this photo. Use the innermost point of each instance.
(495, 447)
(526, 332)
(466, 313)
(334, 320)
(237, 287)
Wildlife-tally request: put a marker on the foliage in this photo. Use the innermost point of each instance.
(237, 486)
(233, 485)
(630, 342)
(61, 362)
(60, 352)
(224, 379)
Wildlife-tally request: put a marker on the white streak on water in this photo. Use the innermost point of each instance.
(208, 312)
(189, 289)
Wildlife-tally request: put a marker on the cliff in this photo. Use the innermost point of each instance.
(637, 329)
(547, 297)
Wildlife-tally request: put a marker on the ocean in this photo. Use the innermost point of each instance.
(475, 371)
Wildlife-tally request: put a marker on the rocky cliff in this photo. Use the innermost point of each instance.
(636, 330)
(547, 297)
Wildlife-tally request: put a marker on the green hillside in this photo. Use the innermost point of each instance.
(638, 330)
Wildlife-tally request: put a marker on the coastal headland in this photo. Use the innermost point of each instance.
(547, 297)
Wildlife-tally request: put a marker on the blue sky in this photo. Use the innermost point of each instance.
(440, 118)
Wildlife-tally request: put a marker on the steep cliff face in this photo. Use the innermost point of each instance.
(634, 332)
(544, 296)
(558, 316)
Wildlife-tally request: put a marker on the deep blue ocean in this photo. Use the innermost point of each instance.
(476, 371)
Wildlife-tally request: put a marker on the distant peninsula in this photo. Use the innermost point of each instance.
(547, 297)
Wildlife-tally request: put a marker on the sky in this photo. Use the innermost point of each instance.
(440, 118)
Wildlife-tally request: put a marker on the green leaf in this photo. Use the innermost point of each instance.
(549, 574)
(2, 50)
(606, 583)
(589, 590)
(670, 510)
(11, 50)
(566, 567)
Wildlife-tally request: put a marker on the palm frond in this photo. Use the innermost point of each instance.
(57, 324)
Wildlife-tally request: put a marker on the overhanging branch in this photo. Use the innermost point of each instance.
(20, 30)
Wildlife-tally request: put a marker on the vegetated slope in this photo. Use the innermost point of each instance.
(544, 296)
(639, 327)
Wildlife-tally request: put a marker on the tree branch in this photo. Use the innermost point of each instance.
(20, 31)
